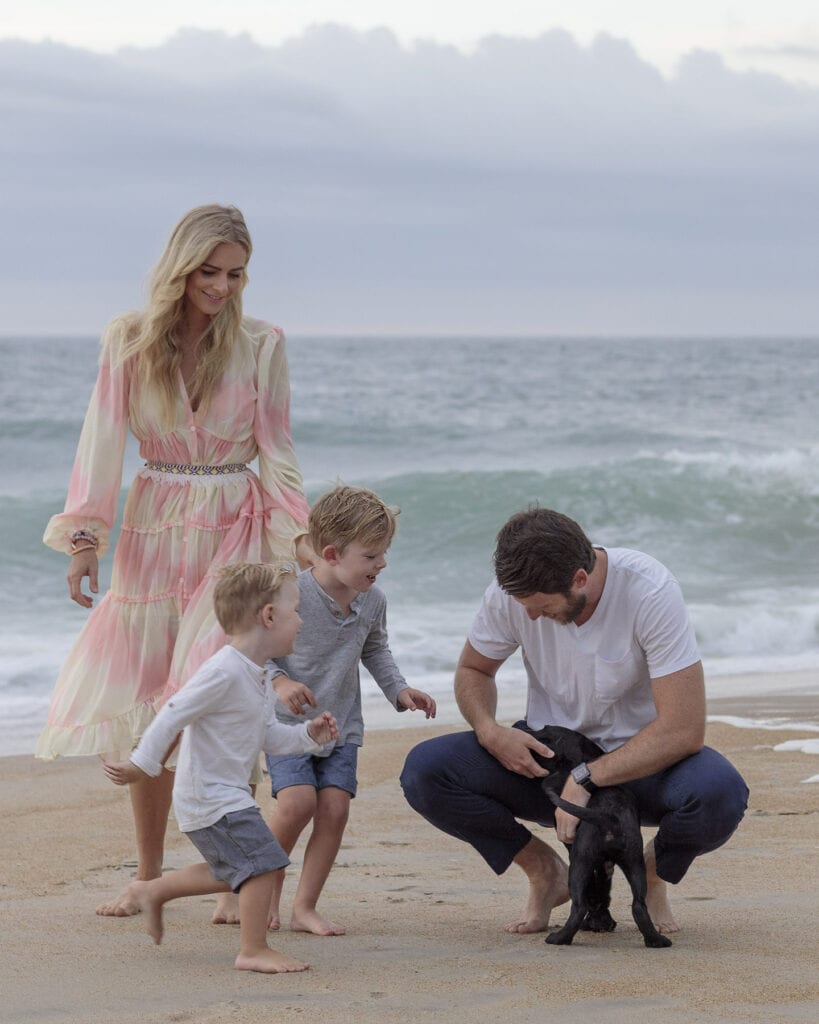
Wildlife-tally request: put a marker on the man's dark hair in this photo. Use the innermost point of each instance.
(539, 551)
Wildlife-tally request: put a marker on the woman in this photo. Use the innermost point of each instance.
(205, 390)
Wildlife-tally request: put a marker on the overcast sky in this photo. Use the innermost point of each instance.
(478, 168)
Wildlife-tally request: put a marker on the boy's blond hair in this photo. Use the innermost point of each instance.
(348, 514)
(244, 588)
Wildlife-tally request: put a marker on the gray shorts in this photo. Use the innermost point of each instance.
(337, 769)
(239, 846)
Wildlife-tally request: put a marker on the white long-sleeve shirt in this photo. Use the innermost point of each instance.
(226, 712)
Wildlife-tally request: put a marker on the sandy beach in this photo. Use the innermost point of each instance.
(424, 915)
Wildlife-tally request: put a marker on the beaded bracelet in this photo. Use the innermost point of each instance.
(82, 535)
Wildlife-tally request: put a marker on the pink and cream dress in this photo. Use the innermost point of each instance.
(193, 508)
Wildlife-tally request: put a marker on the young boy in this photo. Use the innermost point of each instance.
(226, 711)
(350, 530)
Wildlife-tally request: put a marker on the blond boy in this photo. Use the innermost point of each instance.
(344, 612)
(226, 712)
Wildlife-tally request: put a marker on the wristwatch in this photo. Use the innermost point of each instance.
(582, 776)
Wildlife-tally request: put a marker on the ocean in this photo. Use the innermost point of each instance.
(703, 453)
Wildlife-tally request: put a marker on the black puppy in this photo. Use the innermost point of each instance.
(608, 833)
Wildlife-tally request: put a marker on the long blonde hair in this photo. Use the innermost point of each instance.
(153, 336)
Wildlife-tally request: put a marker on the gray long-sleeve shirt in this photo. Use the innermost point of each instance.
(328, 651)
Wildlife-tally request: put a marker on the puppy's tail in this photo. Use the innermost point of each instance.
(601, 819)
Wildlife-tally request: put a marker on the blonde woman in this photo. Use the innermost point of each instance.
(204, 390)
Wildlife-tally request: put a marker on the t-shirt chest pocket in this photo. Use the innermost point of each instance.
(613, 678)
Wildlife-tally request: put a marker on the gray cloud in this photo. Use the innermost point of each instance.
(534, 185)
(788, 50)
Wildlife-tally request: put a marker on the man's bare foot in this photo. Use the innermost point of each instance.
(144, 898)
(269, 961)
(311, 921)
(659, 908)
(548, 887)
(227, 909)
(122, 906)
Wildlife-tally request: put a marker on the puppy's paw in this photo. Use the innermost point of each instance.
(657, 941)
(599, 921)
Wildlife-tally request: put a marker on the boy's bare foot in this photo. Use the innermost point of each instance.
(227, 909)
(122, 906)
(659, 908)
(269, 961)
(144, 898)
(547, 876)
(311, 921)
(274, 921)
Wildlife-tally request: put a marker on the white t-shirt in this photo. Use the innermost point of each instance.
(227, 712)
(596, 678)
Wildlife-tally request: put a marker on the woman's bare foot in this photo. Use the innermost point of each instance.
(269, 961)
(548, 888)
(122, 906)
(311, 921)
(659, 908)
(227, 909)
(144, 897)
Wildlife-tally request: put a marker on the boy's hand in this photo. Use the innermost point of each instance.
(293, 695)
(417, 700)
(323, 728)
(121, 773)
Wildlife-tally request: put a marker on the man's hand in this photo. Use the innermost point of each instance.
(566, 823)
(323, 728)
(513, 748)
(417, 700)
(293, 695)
(122, 773)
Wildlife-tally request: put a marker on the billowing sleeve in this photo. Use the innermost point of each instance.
(93, 491)
(286, 511)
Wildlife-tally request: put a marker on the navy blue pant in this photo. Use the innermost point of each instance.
(462, 790)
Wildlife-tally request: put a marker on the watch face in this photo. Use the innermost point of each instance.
(581, 773)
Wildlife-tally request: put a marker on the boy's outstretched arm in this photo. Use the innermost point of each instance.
(121, 773)
(417, 700)
(323, 728)
(293, 695)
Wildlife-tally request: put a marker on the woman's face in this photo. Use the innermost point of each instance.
(210, 286)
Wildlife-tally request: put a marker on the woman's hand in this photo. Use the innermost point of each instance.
(83, 563)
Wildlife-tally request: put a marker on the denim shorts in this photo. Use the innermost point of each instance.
(337, 769)
(239, 846)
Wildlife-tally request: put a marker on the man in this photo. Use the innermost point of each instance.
(609, 651)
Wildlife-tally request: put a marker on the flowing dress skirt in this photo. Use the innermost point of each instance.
(156, 624)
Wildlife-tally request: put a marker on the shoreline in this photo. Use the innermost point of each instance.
(787, 699)
(424, 915)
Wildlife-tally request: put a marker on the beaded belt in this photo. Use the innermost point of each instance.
(183, 470)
